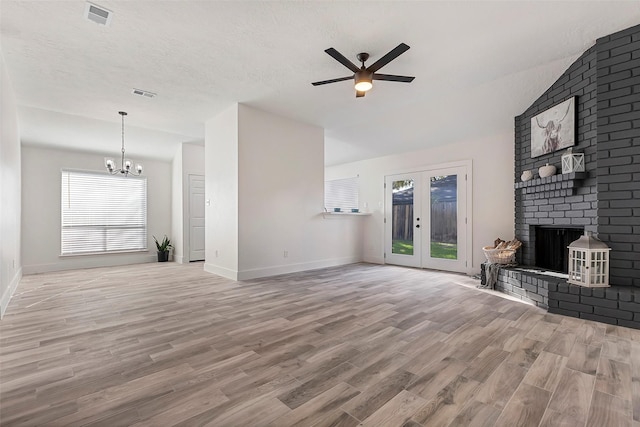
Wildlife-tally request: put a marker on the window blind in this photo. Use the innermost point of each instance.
(103, 213)
(341, 193)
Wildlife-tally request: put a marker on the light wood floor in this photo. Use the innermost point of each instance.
(166, 344)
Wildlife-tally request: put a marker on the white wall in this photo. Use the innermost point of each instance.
(188, 160)
(221, 189)
(274, 202)
(493, 194)
(10, 192)
(41, 209)
(281, 200)
(177, 237)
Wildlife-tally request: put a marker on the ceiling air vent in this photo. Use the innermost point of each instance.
(144, 93)
(97, 14)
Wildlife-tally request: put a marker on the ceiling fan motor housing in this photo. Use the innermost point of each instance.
(363, 76)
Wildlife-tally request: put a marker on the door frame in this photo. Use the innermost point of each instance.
(468, 165)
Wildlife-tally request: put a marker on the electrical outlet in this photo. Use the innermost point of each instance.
(216, 253)
(286, 254)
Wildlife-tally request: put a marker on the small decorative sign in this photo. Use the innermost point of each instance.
(572, 162)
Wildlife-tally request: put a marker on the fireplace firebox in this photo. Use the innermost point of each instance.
(551, 243)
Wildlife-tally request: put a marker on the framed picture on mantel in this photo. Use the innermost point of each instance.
(554, 129)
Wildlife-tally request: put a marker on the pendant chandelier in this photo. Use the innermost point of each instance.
(125, 164)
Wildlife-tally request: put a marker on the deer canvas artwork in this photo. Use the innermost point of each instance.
(553, 129)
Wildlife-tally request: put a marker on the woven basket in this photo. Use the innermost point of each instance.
(499, 256)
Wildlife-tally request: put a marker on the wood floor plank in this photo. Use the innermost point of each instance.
(317, 409)
(373, 398)
(318, 384)
(607, 410)
(617, 349)
(569, 404)
(482, 367)
(546, 370)
(443, 408)
(525, 408)
(584, 358)
(343, 346)
(432, 379)
(635, 380)
(397, 411)
(560, 343)
(476, 414)
(614, 378)
(501, 384)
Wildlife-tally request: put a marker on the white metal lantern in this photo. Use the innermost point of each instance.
(589, 262)
(572, 162)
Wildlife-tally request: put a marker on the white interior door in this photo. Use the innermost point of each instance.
(426, 220)
(402, 219)
(196, 218)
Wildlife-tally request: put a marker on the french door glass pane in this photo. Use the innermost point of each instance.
(402, 217)
(444, 217)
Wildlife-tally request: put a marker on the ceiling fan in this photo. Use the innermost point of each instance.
(364, 76)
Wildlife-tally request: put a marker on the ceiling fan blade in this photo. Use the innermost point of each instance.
(341, 59)
(360, 94)
(339, 79)
(393, 78)
(395, 52)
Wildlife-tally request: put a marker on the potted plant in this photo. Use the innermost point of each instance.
(163, 248)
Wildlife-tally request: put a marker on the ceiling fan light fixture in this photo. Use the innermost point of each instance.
(364, 80)
(364, 76)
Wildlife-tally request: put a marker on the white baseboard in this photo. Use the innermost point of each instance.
(178, 259)
(8, 293)
(294, 268)
(256, 273)
(373, 259)
(221, 271)
(75, 263)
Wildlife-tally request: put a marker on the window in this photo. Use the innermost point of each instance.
(103, 213)
(341, 193)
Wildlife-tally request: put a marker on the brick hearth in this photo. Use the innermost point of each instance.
(617, 305)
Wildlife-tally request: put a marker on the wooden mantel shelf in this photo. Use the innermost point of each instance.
(564, 183)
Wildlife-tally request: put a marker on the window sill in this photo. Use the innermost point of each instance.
(135, 251)
(335, 214)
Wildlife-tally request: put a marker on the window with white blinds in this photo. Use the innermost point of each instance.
(341, 193)
(103, 213)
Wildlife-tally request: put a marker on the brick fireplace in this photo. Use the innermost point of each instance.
(605, 199)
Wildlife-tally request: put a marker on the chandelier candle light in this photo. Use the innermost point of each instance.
(126, 164)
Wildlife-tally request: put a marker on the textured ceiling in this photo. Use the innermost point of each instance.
(477, 65)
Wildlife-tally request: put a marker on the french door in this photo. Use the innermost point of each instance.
(426, 222)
